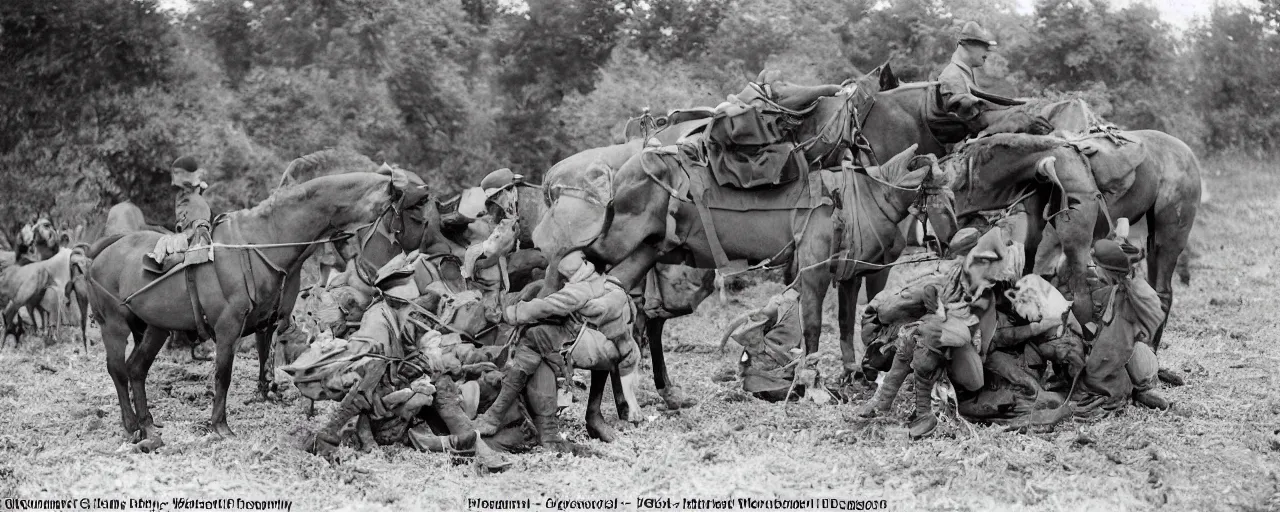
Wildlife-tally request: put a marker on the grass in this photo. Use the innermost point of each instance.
(59, 422)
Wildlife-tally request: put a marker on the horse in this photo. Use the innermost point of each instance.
(1147, 175)
(79, 287)
(994, 172)
(238, 293)
(23, 286)
(878, 200)
(126, 217)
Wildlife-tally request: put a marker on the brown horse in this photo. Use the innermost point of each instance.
(635, 228)
(994, 172)
(1150, 175)
(79, 287)
(23, 286)
(240, 292)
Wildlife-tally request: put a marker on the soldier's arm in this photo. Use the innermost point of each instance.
(951, 82)
(561, 303)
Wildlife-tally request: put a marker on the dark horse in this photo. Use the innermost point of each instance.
(1147, 175)
(895, 121)
(241, 291)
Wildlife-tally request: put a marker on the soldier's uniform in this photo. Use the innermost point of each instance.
(192, 214)
(587, 323)
(391, 369)
(1121, 364)
(956, 86)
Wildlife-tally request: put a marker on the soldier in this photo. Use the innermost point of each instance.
(1121, 364)
(957, 81)
(393, 351)
(588, 323)
(192, 213)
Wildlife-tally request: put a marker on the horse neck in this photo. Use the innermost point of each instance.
(896, 122)
(991, 190)
(324, 206)
(893, 203)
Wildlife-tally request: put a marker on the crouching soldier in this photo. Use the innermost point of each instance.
(1121, 364)
(391, 352)
(587, 324)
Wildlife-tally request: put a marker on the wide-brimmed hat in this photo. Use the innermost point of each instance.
(395, 279)
(499, 180)
(1112, 256)
(975, 33)
(186, 173)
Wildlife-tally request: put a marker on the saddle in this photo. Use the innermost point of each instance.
(698, 185)
(176, 247)
(749, 139)
(1113, 158)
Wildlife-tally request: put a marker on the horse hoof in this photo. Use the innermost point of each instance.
(223, 431)
(597, 428)
(1170, 377)
(150, 444)
(675, 399)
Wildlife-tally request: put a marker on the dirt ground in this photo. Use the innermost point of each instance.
(1218, 450)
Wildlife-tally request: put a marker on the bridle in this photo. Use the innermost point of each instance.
(397, 210)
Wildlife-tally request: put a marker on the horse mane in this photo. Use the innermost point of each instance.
(289, 195)
(323, 162)
(984, 149)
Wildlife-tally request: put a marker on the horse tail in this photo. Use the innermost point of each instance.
(102, 244)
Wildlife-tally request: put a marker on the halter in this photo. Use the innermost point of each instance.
(396, 225)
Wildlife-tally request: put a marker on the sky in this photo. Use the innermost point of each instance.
(1179, 13)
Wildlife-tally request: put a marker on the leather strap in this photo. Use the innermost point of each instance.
(193, 294)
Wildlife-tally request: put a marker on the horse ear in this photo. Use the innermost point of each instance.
(888, 80)
(399, 180)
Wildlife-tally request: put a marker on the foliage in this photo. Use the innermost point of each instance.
(100, 95)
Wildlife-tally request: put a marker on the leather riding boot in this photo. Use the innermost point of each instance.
(540, 398)
(1151, 399)
(330, 436)
(463, 443)
(524, 362)
(922, 420)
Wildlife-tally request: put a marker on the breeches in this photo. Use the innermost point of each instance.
(550, 341)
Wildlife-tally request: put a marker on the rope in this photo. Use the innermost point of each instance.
(219, 245)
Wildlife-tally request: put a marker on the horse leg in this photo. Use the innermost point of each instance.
(263, 339)
(851, 351)
(671, 394)
(115, 339)
(813, 287)
(139, 363)
(597, 428)
(1165, 244)
(620, 402)
(225, 335)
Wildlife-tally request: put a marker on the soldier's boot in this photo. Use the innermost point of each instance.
(541, 400)
(1151, 399)
(462, 443)
(922, 420)
(330, 436)
(448, 406)
(524, 362)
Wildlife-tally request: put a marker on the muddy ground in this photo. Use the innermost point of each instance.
(1217, 450)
